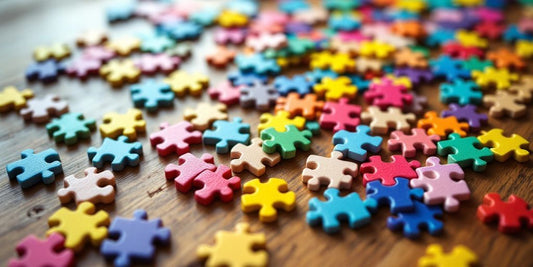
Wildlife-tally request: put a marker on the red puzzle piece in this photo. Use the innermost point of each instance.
(457, 50)
(510, 213)
(410, 143)
(377, 169)
(50, 252)
(187, 169)
(220, 182)
(340, 116)
(175, 138)
(386, 93)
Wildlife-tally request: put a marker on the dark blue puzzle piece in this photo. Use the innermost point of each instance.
(355, 145)
(422, 216)
(45, 71)
(297, 83)
(152, 94)
(398, 197)
(119, 152)
(227, 134)
(32, 168)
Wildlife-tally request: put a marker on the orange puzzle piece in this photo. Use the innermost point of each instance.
(503, 58)
(308, 106)
(408, 28)
(433, 124)
(410, 58)
(221, 57)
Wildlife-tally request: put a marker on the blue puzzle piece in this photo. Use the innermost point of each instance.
(227, 134)
(119, 152)
(316, 75)
(134, 239)
(155, 43)
(344, 22)
(152, 94)
(450, 68)
(398, 197)
(32, 168)
(460, 91)
(246, 78)
(69, 127)
(45, 71)
(181, 30)
(361, 84)
(205, 17)
(257, 63)
(355, 145)
(440, 37)
(119, 11)
(513, 34)
(245, 7)
(422, 215)
(337, 208)
(298, 83)
(293, 6)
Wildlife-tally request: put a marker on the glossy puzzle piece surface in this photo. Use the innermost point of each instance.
(462, 92)
(252, 158)
(377, 169)
(11, 98)
(340, 116)
(40, 110)
(175, 138)
(460, 256)
(205, 114)
(227, 134)
(354, 145)
(467, 151)
(286, 142)
(35, 167)
(183, 83)
(442, 126)
(333, 172)
(119, 152)
(308, 106)
(409, 143)
(503, 147)
(332, 89)
(468, 114)
(219, 183)
(95, 187)
(388, 94)
(187, 169)
(509, 214)
(267, 197)
(399, 197)
(380, 121)
(128, 124)
(49, 252)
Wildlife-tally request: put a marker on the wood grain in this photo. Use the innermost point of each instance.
(290, 241)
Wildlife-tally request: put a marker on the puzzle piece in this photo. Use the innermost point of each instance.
(408, 28)
(381, 121)
(32, 168)
(188, 168)
(221, 57)
(252, 158)
(466, 113)
(467, 151)
(340, 116)
(152, 95)
(386, 94)
(336, 208)
(459, 51)
(462, 92)
(205, 114)
(355, 145)
(215, 183)
(183, 83)
(180, 30)
(133, 239)
(505, 103)
(57, 51)
(156, 43)
(443, 184)
(226, 93)
(449, 68)
(503, 58)
(91, 38)
(511, 214)
(95, 187)
(308, 106)
(40, 110)
(418, 105)
(412, 221)
(83, 67)
(442, 126)
(264, 41)
(333, 172)
(408, 58)
(120, 71)
(79, 226)
(500, 78)
(182, 50)
(376, 169)
(235, 248)
(115, 124)
(69, 127)
(11, 98)
(335, 88)
(257, 63)
(398, 197)
(286, 142)
(175, 138)
(337, 62)
(124, 45)
(376, 49)
(245, 78)
(152, 63)
(49, 252)
(298, 84)
(258, 95)
(224, 36)
(227, 134)
(267, 197)
(45, 71)
(119, 152)
(503, 147)
(232, 19)
(524, 88)
(460, 256)
(418, 139)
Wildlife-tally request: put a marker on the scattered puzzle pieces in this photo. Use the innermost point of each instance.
(33, 168)
(412, 221)
(511, 214)
(49, 252)
(227, 134)
(119, 152)
(152, 95)
(308, 106)
(258, 95)
(188, 168)
(205, 114)
(95, 187)
(460, 256)
(267, 197)
(286, 142)
(11, 98)
(408, 144)
(340, 116)
(333, 172)
(252, 158)
(215, 183)
(175, 138)
(376, 169)
(505, 103)
(503, 147)
(399, 197)
(381, 121)
(466, 151)
(117, 72)
(334, 89)
(40, 110)
(442, 126)
(279, 121)
(354, 145)
(115, 124)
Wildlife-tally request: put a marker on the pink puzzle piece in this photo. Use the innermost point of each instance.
(50, 252)
(82, 67)
(176, 138)
(340, 116)
(40, 110)
(265, 41)
(95, 187)
(101, 53)
(442, 183)
(225, 36)
(410, 143)
(187, 169)
(226, 93)
(377, 169)
(220, 182)
(386, 93)
(152, 63)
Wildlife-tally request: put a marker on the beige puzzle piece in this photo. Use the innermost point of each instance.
(252, 158)
(40, 110)
(94, 187)
(333, 172)
(524, 88)
(505, 103)
(205, 114)
(381, 121)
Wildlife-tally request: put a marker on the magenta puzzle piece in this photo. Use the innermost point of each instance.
(50, 252)
(409, 143)
(220, 182)
(225, 36)
(386, 93)
(226, 93)
(377, 169)
(175, 138)
(340, 116)
(187, 169)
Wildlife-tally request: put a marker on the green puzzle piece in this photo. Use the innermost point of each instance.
(467, 151)
(286, 142)
(70, 127)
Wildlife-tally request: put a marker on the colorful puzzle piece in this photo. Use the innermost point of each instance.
(355, 145)
(183, 83)
(264, 41)
(117, 72)
(227, 134)
(333, 172)
(399, 197)
(11, 98)
(501, 78)
(95, 187)
(286, 142)
(215, 183)
(466, 113)
(57, 51)
(133, 239)
(340, 116)
(40, 110)
(45, 71)
(33, 168)
(221, 57)
(79, 226)
(226, 92)
(267, 197)
(408, 144)
(462, 92)
(466, 151)
(91, 38)
(257, 63)
(449, 68)
(411, 221)
(460, 256)
(115, 124)
(376, 49)
(338, 62)
(175, 138)
(152, 63)
(442, 126)
(503, 58)
(308, 106)
(279, 121)
(188, 168)
(511, 214)
(124, 45)
(524, 88)
(205, 114)
(258, 95)
(83, 67)
(376, 169)
(505, 103)
(298, 84)
(335, 88)
(503, 147)
(252, 158)
(119, 152)
(151, 95)
(387, 93)
(381, 121)
(49, 252)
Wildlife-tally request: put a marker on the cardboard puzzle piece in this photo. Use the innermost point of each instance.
(183, 83)
(354, 145)
(503, 147)
(340, 116)
(252, 158)
(286, 142)
(409, 143)
(205, 114)
(95, 187)
(35, 167)
(128, 124)
(175, 138)
(36, 252)
(377, 169)
(11, 98)
(215, 183)
(187, 169)
(460, 256)
(308, 106)
(40, 110)
(267, 197)
(399, 197)
(381, 121)
(511, 214)
(279, 121)
(467, 151)
(227, 134)
(333, 172)
(119, 152)
(442, 126)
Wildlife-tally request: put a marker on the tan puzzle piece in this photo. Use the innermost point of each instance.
(94, 187)
(91, 38)
(182, 83)
(128, 124)
(11, 98)
(524, 88)
(340, 46)
(205, 114)
(333, 172)
(410, 58)
(503, 103)
(365, 64)
(252, 158)
(381, 121)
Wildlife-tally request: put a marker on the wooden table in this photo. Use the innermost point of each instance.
(290, 241)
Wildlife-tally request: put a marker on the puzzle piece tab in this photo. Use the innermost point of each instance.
(227, 134)
(252, 158)
(286, 142)
(115, 124)
(509, 214)
(466, 151)
(175, 138)
(95, 187)
(354, 145)
(49, 252)
(40, 110)
(33, 168)
(119, 152)
(205, 114)
(267, 197)
(503, 147)
(333, 172)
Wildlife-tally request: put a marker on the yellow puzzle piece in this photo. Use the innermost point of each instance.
(79, 225)
(124, 45)
(335, 89)
(524, 49)
(266, 197)
(128, 124)
(414, 6)
(338, 62)
(402, 80)
(182, 83)
(56, 51)
(503, 147)
(376, 49)
(279, 121)
(468, 3)
(460, 256)
(501, 78)
(229, 19)
(467, 38)
(11, 98)
(235, 249)
(118, 72)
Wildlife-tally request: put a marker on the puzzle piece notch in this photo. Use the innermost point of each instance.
(510, 214)
(95, 187)
(399, 197)
(410, 222)
(340, 116)
(175, 138)
(377, 169)
(35, 167)
(49, 252)
(467, 151)
(69, 127)
(380, 121)
(408, 144)
(267, 197)
(188, 168)
(152, 95)
(40, 110)
(286, 142)
(11, 98)
(128, 124)
(442, 126)
(333, 172)
(354, 145)
(119, 152)
(205, 114)
(215, 183)
(135, 238)
(227, 134)
(252, 158)
(460, 256)
(307, 106)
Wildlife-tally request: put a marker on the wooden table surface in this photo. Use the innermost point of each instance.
(26, 24)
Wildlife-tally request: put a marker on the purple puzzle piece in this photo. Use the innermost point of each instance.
(45, 71)
(82, 67)
(415, 75)
(466, 113)
(135, 238)
(225, 36)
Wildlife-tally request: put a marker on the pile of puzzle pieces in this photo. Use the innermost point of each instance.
(374, 51)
